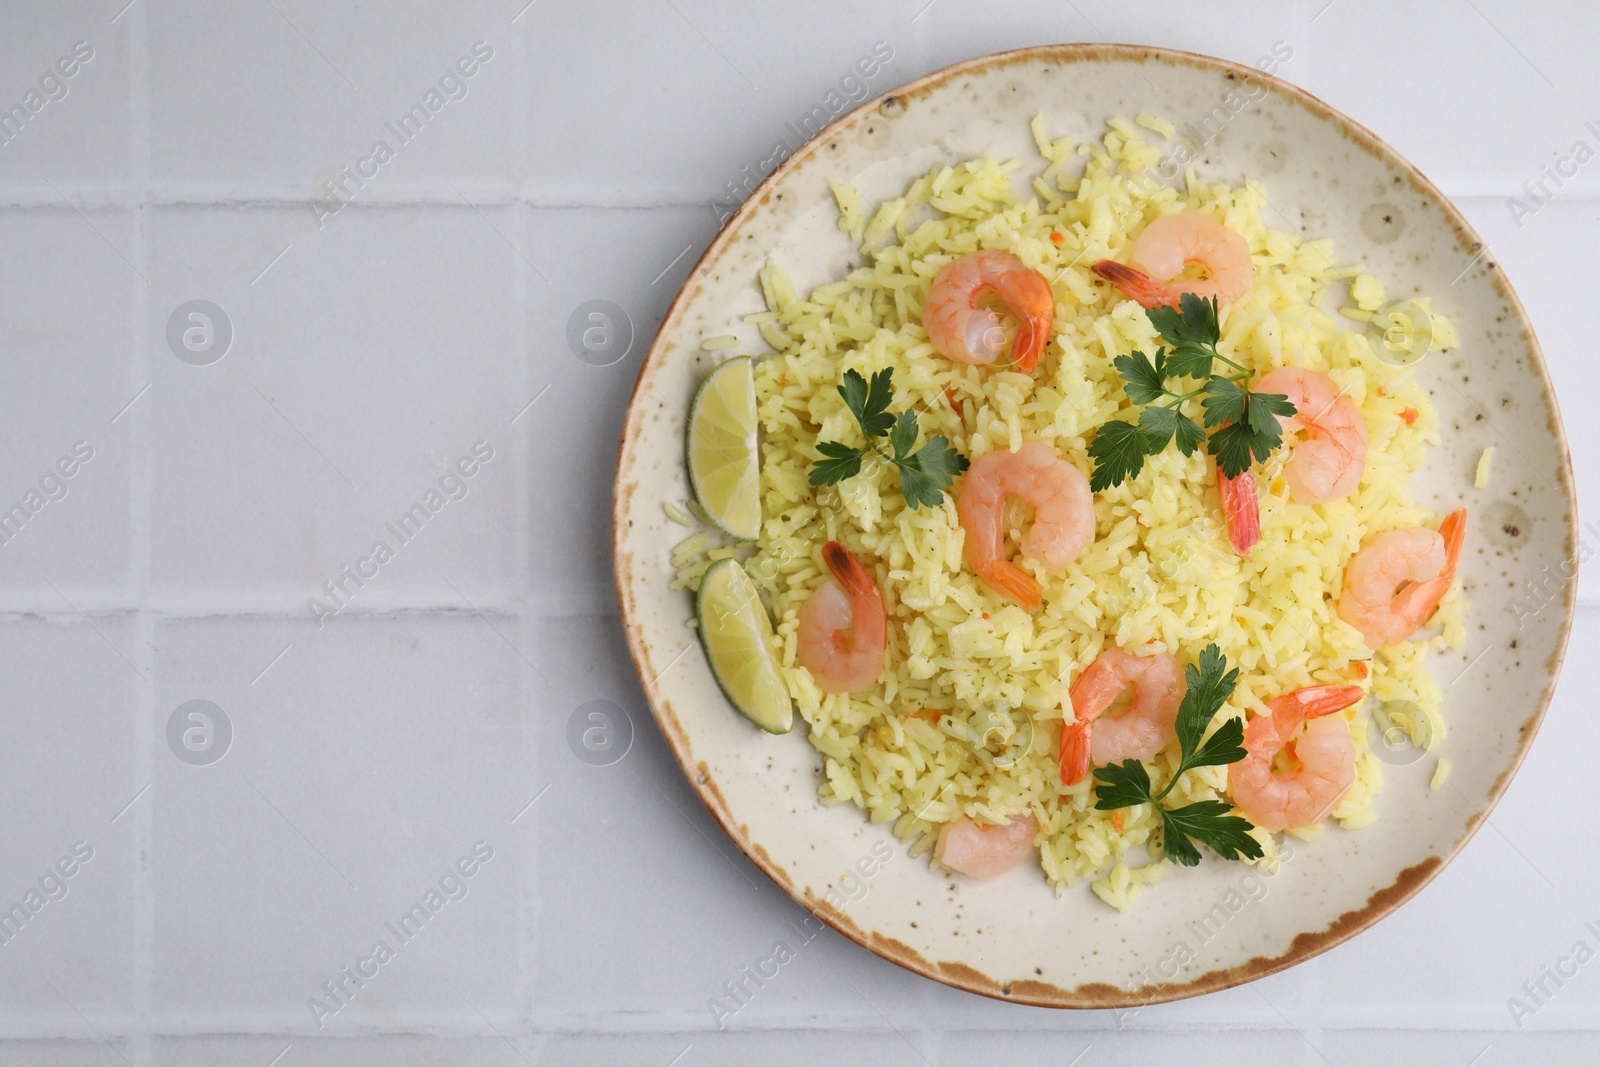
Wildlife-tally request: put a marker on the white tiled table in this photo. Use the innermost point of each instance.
(372, 350)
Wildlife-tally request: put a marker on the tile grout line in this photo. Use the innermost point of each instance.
(141, 472)
(529, 910)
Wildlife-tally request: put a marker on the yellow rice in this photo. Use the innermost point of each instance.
(1160, 574)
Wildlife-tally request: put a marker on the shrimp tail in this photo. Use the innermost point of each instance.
(1266, 734)
(1033, 326)
(1032, 334)
(1318, 700)
(852, 577)
(1240, 510)
(1075, 744)
(1418, 602)
(1454, 531)
(1134, 284)
(1008, 578)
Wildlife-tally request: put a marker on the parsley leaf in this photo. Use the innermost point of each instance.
(1156, 427)
(841, 462)
(1143, 380)
(1122, 785)
(869, 403)
(1263, 410)
(1236, 447)
(1127, 784)
(927, 472)
(1224, 402)
(904, 435)
(1223, 747)
(1190, 361)
(1190, 435)
(1175, 843)
(924, 474)
(1208, 821)
(1209, 685)
(1118, 451)
(1194, 319)
(1160, 424)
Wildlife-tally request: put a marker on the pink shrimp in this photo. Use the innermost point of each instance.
(985, 851)
(1240, 510)
(1394, 582)
(1326, 758)
(1138, 733)
(963, 330)
(1169, 245)
(843, 629)
(1326, 464)
(1063, 517)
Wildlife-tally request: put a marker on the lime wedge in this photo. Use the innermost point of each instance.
(736, 632)
(722, 450)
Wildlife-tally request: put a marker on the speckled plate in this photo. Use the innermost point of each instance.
(1219, 924)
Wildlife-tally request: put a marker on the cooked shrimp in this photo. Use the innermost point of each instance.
(1394, 582)
(1325, 757)
(966, 332)
(843, 629)
(1169, 245)
(1140, 732)
(1063, 517)
(1327, 462)
(1240, 510)
(985, 851)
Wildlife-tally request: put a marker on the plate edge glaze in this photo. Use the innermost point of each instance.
(961, 976)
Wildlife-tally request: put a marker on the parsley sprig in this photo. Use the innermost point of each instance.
(1243, 425)
(1126, 784)
(924, 473)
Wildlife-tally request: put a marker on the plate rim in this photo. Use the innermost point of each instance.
(1092, 995)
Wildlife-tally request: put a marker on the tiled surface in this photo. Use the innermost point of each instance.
(382, 729)
(345, 413)
(324, 803)
(70, 373)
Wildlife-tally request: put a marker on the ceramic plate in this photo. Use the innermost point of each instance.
(1219, 924)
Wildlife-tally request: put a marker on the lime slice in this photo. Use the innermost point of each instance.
(722, 450)
(735, 631)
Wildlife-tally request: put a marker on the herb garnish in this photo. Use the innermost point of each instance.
(1126, 784)
(924, 474)
(1244, 427)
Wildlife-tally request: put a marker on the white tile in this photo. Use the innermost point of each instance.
(362, 766)
(369, 1051)
(635, 260)
(78, 133)
(1484, 1048)
(1535, 256)
(1130, 1047)
(68, 322)
(73, 708)
(1564, 748)
(1241, 30)
(372, 356)
(315, 90)
(1479, 97)
(655, 81)
(91, 1051)
(778, 1048)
